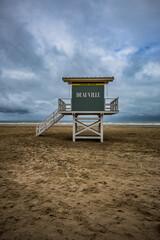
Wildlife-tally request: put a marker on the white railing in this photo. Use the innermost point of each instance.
(110, 104)
(64, 104)
(48, 122)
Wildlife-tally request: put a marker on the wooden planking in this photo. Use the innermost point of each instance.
(88, 137)
(74, 80)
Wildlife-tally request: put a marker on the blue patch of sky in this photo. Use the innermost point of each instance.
(118, 49)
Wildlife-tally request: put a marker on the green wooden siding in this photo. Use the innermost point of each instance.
(88, 98)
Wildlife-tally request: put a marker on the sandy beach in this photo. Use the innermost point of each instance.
(52, 188)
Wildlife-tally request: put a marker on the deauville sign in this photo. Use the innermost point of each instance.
(87, 94)
(88, 98)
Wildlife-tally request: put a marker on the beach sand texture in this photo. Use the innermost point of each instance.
(52, 188)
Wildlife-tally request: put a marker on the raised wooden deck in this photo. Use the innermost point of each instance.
(65, 108)
(110, 107)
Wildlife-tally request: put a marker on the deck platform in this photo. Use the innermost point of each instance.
(86, 122)
(88, 113)
(110, 107)
(87, 100)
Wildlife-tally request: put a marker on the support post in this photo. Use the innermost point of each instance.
(74, 127)
(75, 124)
(101, 127)
(79, 134)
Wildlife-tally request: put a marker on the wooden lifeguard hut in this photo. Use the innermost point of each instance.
(88, 105)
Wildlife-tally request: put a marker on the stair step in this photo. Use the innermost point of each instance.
(48, 122)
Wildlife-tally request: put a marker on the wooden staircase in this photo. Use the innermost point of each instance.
(65, 108)
(48, 122)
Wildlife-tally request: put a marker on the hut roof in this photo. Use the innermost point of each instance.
(71, 80)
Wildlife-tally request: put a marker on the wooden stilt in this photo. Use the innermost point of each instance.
(74, 128)
(101, 127)
(77, 121)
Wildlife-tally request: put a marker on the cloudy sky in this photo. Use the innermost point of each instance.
(43, 41)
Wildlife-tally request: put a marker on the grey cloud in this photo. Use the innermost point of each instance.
(14, 110)
(17, 45)
(143, 56)
(46, 40)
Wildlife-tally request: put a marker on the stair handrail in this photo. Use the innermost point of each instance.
(48, 122)
(64, 106)
(52, 115)
(61, 105)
